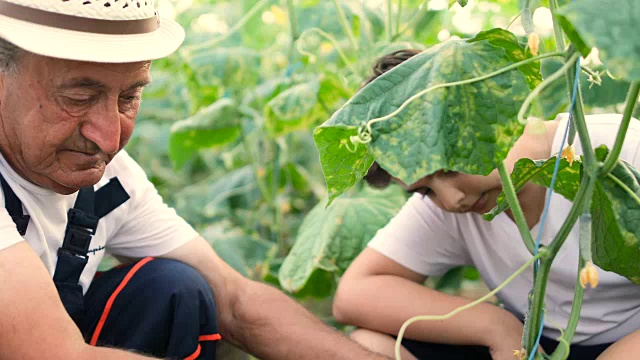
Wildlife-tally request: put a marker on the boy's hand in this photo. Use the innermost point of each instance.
(507, 339)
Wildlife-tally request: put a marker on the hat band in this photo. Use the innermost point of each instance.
(77, 23)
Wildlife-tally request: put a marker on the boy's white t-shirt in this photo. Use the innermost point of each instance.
(142, 226)
(430, 241)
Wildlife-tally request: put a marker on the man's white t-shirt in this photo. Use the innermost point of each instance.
(430, 241)
(142, 226)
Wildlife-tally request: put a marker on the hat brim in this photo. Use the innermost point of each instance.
(101, 48)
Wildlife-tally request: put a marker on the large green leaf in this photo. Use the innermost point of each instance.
(330, 238)
(616, 221)
(292, 108)
(212, 198)
(217, 124)
(214, 72)
(609, 25)
(540, 172)
(303, 105)
(468, 128)
(341, 167)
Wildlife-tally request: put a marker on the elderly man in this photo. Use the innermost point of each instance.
(71, 78)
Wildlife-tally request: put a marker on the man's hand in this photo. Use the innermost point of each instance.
(262, 320)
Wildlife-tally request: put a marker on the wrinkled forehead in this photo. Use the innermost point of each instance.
(66, 73)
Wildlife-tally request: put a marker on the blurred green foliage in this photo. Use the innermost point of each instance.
(225, 131)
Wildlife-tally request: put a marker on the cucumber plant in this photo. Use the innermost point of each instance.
(486, 84)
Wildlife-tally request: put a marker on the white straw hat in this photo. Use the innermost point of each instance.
(106, 31)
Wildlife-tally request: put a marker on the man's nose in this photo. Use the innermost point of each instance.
(102, 126)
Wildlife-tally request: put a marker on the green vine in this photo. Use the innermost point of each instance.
(548, 81)
(333, 41)
(632, 98)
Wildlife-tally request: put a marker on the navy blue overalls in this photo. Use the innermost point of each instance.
(158, 307)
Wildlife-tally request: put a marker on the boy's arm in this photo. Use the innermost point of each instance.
(626, 348)
(379, 294)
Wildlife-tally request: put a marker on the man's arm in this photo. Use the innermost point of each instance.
(261, 319)
(377, 293)
(33, 321)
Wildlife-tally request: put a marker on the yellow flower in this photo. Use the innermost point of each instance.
(326, 47)
(589, 275)
(534, 43)
(520, 354)
(569, 153)
(261, 172)
(280, 16)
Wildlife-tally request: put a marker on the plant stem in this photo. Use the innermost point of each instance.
(580, 122)
(526, 17)
(389, 20)
(518, 215)
(245, 19)
(293, 21)
(578, 118)
(548, 81)
(540, 255)
(557, 32)
(612, 158)
(398, 17)
(574, 317)
(345, 25)
(578, 294)
(414, 18)
(625, 188)
(513, 20)
(536, 309)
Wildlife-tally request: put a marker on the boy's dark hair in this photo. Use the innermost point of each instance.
(376, 176)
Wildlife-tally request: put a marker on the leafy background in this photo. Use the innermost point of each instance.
(226, 130)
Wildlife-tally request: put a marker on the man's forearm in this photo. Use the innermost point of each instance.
(262, 320)
(271, 326)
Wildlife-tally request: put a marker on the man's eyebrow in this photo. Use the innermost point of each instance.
(97, 85)
(83, 83)
(139, 84)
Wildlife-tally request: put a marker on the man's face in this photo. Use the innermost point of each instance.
(62, 122)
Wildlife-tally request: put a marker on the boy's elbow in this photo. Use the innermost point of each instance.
(341, 304)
